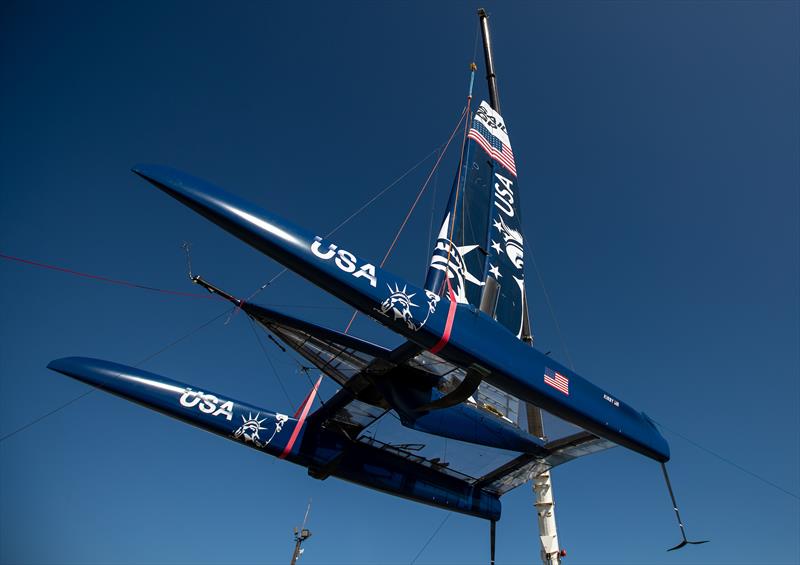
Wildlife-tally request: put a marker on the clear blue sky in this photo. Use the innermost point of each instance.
(657, 149)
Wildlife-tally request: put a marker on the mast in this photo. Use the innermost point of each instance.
(550, 552)
(494, 102)
(491, 78)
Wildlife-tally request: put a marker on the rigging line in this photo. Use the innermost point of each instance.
(419, 195)
(353, 215)
(152, 288)
(550, 305)
(473, 67)
(475, 43)
(178, 293)
(382, 192)
(103, 279)
(430, 224)
(728, 461)
(304, 370)
(185, 336)
(376, 422)
(42, 417)
(90, 391)
(424, 186)
(430, 539)
(271, 364)
(306, 306)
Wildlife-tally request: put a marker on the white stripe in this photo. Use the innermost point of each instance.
(559, 383)
(497, 156)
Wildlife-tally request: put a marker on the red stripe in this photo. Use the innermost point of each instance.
(481, 141)
(558, 385)
(302, 420)
(103, 279)
(451, 314)
(303, 404)
(502, 158)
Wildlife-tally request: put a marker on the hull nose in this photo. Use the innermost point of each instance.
(210, 411)
(232, 213)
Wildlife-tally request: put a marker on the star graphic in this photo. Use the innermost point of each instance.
(496, 247)
(443, 245)
(499, 225)
(495, 271)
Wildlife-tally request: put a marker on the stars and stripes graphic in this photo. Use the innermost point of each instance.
(556, 380)
(493, 145)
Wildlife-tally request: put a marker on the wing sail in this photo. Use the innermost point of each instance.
(480, 248)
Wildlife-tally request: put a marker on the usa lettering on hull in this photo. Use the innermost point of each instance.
(345, 261)
(207, 403)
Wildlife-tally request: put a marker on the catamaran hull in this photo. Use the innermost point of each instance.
(294, 439)
(459, 333)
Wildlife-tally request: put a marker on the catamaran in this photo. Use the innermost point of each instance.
(467, 371)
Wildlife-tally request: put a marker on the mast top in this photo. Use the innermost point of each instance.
(494, 98)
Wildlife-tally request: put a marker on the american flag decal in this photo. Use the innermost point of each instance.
(556, 380)
(489, 132)
(498, 150)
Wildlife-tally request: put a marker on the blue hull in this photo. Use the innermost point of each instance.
(456, 332)
(299, 441)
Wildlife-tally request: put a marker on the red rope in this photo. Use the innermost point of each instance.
(414, 205)
(458, 186)
(103, 279)
(424, 186)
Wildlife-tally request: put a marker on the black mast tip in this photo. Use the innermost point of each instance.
(491, 78)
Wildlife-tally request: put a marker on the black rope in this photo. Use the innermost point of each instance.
(353, 215)
(306, 370)
(729, 462)
(430, 539)
(187, 247)
(87, 393)
(271, 364)
(475, 43)
(549, 304)
(40, 418)
(180, 339)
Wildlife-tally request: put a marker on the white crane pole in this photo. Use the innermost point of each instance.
(550, 552)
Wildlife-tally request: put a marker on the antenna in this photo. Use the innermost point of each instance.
(300, 536)
(187, 247)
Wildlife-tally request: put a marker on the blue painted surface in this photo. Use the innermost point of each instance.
(475, 338)
(271, 432)
(657, 151)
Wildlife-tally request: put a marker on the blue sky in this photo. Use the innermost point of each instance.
(657, 149)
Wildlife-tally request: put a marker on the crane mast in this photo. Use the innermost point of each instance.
(550, 550)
